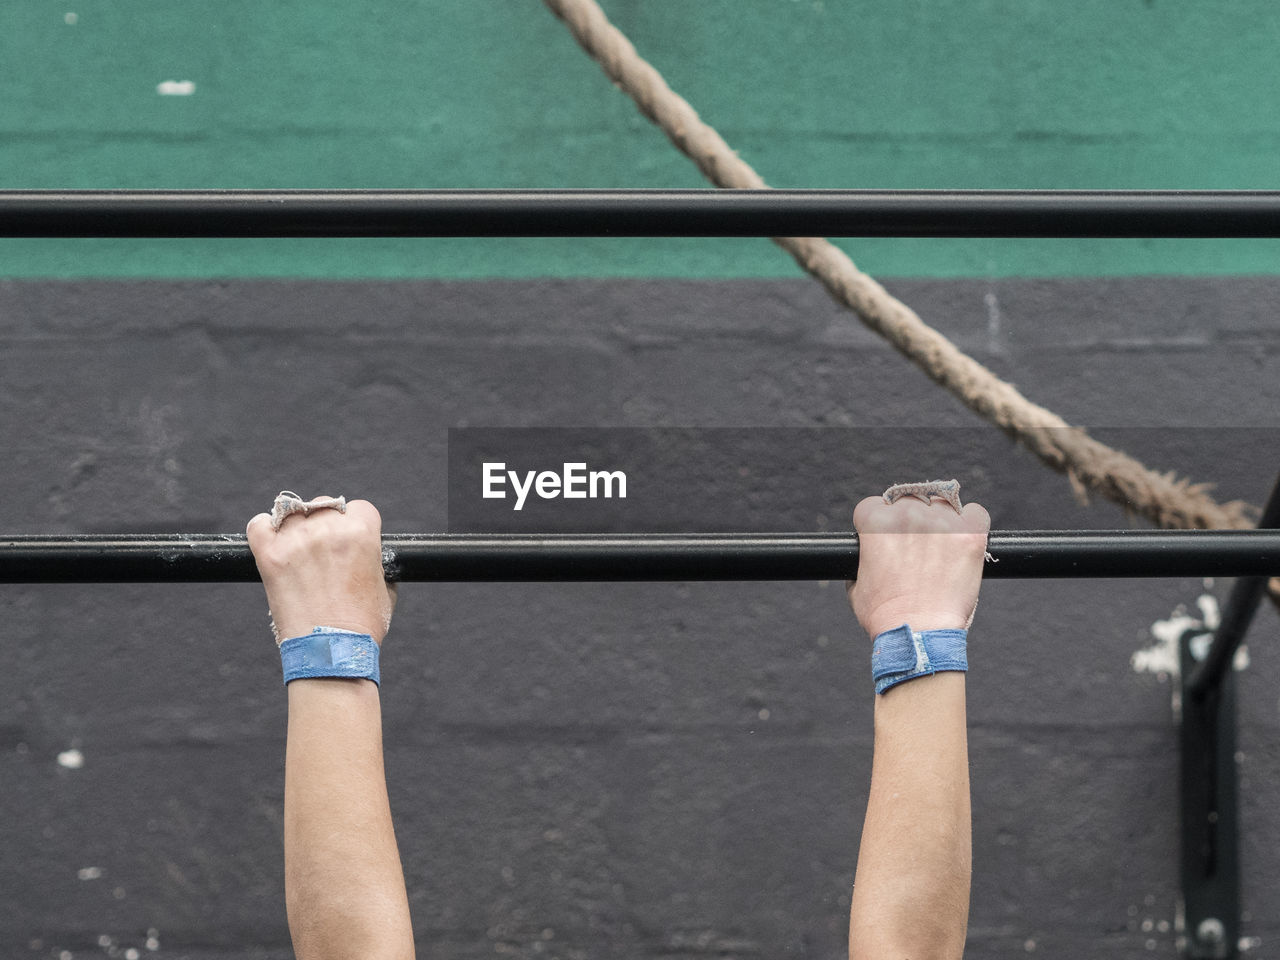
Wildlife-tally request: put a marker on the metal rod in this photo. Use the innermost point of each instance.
(212, 558)
(1242, 604)
(1210, 815)
(640, 213)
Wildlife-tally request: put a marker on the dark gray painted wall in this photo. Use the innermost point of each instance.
(586, 770)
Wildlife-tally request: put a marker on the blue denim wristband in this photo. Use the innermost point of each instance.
(902, 654)
(329, 652)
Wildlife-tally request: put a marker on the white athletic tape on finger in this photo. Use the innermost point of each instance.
(948, 490)
(288, 503)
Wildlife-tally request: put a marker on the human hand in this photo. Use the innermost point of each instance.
(324, 569)
(918, 563)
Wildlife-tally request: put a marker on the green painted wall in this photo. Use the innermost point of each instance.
(494, 93)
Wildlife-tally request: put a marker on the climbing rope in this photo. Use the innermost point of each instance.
(1163, 498)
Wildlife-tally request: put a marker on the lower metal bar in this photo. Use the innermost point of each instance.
(212, 558)
(640, 213)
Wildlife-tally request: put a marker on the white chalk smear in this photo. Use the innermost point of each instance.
(176, 88)
(1162, 657)
(89, 873)
(70, 19)
(71, 759)
(993, 327)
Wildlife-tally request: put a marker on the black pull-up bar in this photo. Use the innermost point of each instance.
(640, 213)
(643, 557)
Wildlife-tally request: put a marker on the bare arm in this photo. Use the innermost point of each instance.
(919, 564)
(344, 885)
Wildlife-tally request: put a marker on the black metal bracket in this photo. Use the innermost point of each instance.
(1210, 811)
(1209, 778)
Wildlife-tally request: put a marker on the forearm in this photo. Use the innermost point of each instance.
(911, 890)
(344, 885)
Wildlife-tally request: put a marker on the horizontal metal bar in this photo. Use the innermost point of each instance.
(642, 557)
(640, 213)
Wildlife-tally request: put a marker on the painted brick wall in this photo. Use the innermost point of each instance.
(637, 770)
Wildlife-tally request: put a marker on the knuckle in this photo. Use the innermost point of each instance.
(273, 559)
(366, 515)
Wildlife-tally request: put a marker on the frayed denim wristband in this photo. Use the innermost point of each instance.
(329, 652)
(902, 654)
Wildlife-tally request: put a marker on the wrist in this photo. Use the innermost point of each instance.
(918, 624)
(291, 625)
(920, 620)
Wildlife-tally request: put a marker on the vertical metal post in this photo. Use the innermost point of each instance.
(1209, 778)
(1210, 812)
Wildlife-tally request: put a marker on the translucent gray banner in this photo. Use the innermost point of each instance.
(710, 480)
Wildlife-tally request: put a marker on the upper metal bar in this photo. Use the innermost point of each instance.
(642, 557)
(640, 213)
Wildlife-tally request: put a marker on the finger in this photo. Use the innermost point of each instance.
(908, 514)
(366, 512)
(258, 530)
(976, 518)
(866, 510)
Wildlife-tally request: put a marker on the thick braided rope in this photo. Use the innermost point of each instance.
(1088, 463)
